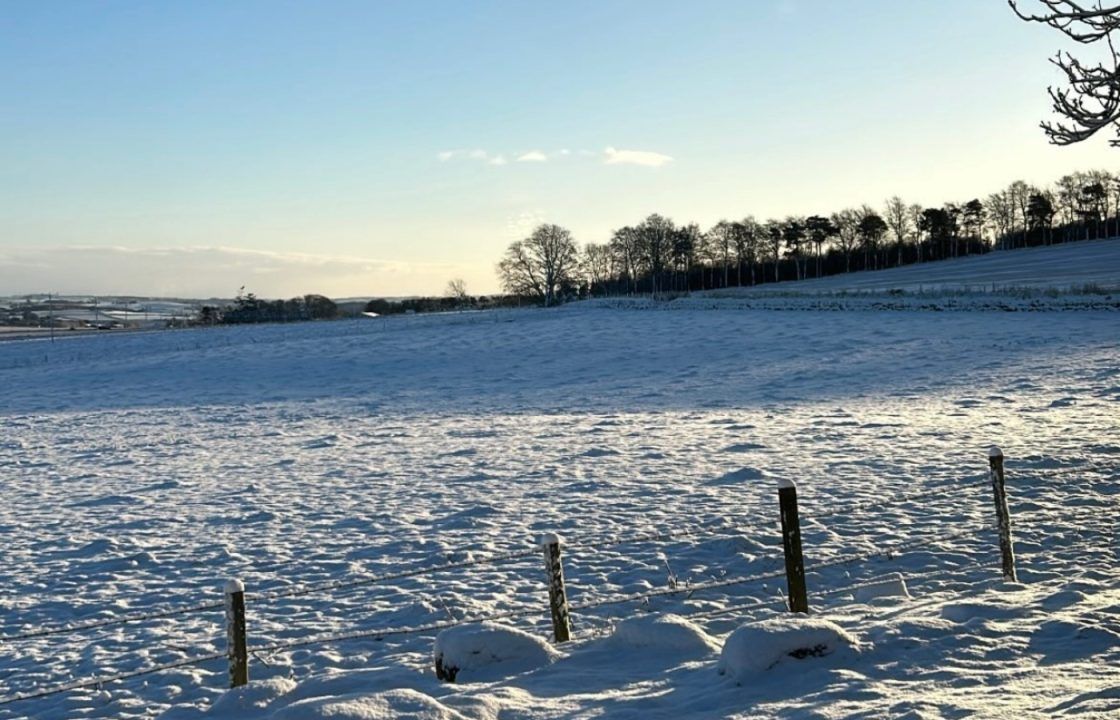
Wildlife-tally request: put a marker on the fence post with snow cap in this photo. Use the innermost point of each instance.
(236, 645)
(791, 545)
(1003, 514)
(557, 598)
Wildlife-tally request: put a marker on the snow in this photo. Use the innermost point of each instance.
(669, 633)
(467, 652)
(762, 646)
(1064, 267)
(888, 587)
(139, 472)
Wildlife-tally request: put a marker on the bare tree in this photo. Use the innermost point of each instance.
(1019, 194)
(457, 289)
(626, 248)
(773, 234)
(794, 234)
(540, 265)
(915, 211)
(1091, 101)
(898, 219)
(722, 235)
(656, 236)
(847, 233)
(746, 239)
(1001, 214)
(597, 266)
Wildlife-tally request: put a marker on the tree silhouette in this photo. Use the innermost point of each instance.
(820, 230)
(1091, 101)
(540, 265)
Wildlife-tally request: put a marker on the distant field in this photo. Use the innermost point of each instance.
(1072, 265)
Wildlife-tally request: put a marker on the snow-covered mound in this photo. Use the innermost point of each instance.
(761, 646)
(385, 705)
(487, 650)
(667, 633)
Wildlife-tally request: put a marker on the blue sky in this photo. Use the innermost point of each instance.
(372, 148)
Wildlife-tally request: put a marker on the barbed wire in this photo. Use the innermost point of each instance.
(96, 624)
(385, 577)
(881, 502)
(97, 682)
(388, 632)
(761, 604)
(722, 528)
(713, 528)
(689, 589)
(265, 597)
(890, 553)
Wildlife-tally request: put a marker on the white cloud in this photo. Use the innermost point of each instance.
(533, 156)
(209, 272)
(635, 157)
(476, 154)
(610, 156)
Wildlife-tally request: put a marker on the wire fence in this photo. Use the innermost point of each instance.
(708, 529)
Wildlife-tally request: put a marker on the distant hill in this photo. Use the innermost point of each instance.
(1063, 267)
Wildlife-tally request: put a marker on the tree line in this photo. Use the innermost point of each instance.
(248, 308)
(660, 256)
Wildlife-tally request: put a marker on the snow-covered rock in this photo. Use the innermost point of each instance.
(488, 650)
(761, 646)
(664, 632)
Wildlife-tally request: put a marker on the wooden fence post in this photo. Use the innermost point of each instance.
(791, 544)
(235, 634)
(1003, 514)
(557, 598)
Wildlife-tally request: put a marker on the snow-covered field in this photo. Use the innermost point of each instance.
(139, 472)
(1061, 267)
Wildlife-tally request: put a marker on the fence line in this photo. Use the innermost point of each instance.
(621, 599)
(270, 596)
(154, 615)
(702, 529)
(879, 502)
(699, 529)
(388, 632)
(376, 579)
(733, 529)
(97, 682)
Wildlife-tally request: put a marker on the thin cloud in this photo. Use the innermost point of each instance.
(643, 158)
(610, 156)
(533, 156)
(202, 271)
(476, 154)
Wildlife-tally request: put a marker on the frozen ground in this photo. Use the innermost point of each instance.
(1073, 265)
(139, 472)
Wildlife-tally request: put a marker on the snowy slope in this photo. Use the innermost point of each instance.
(1094, 262)
(139, 472)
